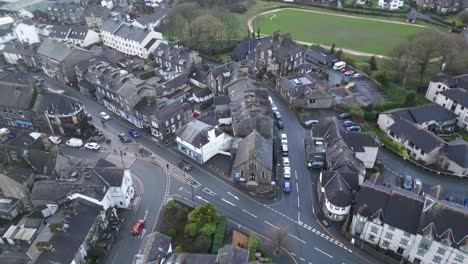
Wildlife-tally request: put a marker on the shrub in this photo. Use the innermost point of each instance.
(398, 147)
(191, 230)
(202, 243)
(147, 74)
(178, 249)
(410, 99)
(255, 245)
(205, 214)
(208, 229)
(370, 115)
(171, 232)
(218, 238)
(381, 77)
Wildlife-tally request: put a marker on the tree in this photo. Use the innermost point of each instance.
(255, 245)
(278, 239)
(373, 63)
(463, 17)
(192, 230)
(202, 243)
(403, 61)
(410, 99)
(339, 54)
(258, 32)
(202, 215)
(332, 49)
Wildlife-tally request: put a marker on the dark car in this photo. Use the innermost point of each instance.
(344, 115)
(89, 116)
(134, 133)
(348, 123)
(408, 182)
(286, 187)
(124, 138)
(354, 128)
(280, 124)
(184, 165)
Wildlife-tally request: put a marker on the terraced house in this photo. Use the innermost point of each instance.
(176, 58)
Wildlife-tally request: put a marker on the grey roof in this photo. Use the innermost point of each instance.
(177, 55)
(457, 151)
(303, 86)
(155, 247)
(281, 44)
(254, 146)
(18, 48)
(124, 30)
(202, 92)
(13, 257)
(78, 32)
(157, 15)
(221, 100)
(166, 111)
(421, 138)
(86, 85)
(358, 140)
(102, 163)
(403, 210)
(169, 88)
(192, 258)
(459, 95)
(458, 82)
(321, 55)
(196, 133)
(59, 31)
(337, 190)
(59, 51)
(230, 254)
(55, 103)
(209, 118)
(198, 75)
(423, 113)
(246, 45)
(97, 11)
(20, 97)
(371, 200)
(227, 72)
(67, 244)
(246, 104)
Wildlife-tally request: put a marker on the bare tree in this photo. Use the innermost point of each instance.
(278, 239)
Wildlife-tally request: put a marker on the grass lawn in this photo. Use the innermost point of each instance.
(357, 34)
(454, 18)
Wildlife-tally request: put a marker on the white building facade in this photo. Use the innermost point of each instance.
(27, 33)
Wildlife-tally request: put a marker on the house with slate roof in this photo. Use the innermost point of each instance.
(79, 36)
(429, 116)
(201, 141)
(246, 46)
(320, 55)
(129, 39)
(95, 15)
(253, 167)
(304, 92)
(58, 60)
(152, 20)
(21, 54)
(177, 58)
(67, 13)
(221, 77)
(455, 157)
(337, 194)
(16, 103)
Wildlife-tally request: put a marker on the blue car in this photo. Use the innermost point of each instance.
(465, 202)
(348, 123)
(287, 186)
(134, 133)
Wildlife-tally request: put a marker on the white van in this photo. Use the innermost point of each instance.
(284, 148)
(339, 65)
(74, 142)
(310, 123)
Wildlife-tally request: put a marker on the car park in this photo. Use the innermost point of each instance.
(280, 124)
(55, 140)
(348, 123)
(408, 182)
(104, 116)
(349, 73)
(284, 138)
(357, 75)
(74, 142)
(354, 128)
(124, 138)
(184, 165)
(417, 183)
(277, 115)
(286, 162)
(92, 146)
(287, 172)
(286, 186)
(134, 133)
(344, 115)
(138, 227)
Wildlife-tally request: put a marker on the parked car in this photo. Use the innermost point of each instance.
(270, 99)
(286, 162)
(287, 172)
(280, 124)
(89, 116)
(344, 70)
(134, 133)
(104, 116)
(349, 73)
(184, 165)
(316, 163)
(274, 107)
(277, 115)
(284, 138)
(348, 123)
(284, 149)
(74, 142)
(124, 138)
(138, 227)
(408, 182)
(286, 186)
(357, 75)
(55, 140)
(92, 146)
(354, 128)
(344, 115)
(417, 183)
(310, 123)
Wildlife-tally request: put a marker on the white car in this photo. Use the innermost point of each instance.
(270, 99)
(74, 142)
(286, 162)
(92, 146)
(104, 115)
(284, 139)
(348, 73)
(357, 75)
(287, 173)
(274, 107)
(55, 140)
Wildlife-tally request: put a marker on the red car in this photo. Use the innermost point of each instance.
(138, 226)
(344, 70)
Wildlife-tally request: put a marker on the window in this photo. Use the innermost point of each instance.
(404, 242)
(311, 101)
(400, 250)
(374, 229)
(388, 235)
(385, 243)
(437, 259)
(263, 175)
(252, 166)
(441, 251)
(406, 234)
(421, 252)
(167, 122)
(459, 258)
(371, 237)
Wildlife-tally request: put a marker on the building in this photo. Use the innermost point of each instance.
(454, 157)
(7, 32)
(321, 56)
(246, 46)
(442, 6)
(79, 36)
(58, 60)
(151, 21)
(156, 247)
(21, 54)
(221, 77)
(429, 116)
(199, 77)
(420, 144)
(26, 32)
(277, 54)
(105, 187)
(66, 13)
(176, 58)
(337, 194)
(202, 95)
(253, 164)
(250, 110)
(391, 4)
(304, 92)
(201, 141)
(96, 15)
(10, 207)
(364, 147)
(129, 39)
(16, 182)
(222, 107)
(15, 106)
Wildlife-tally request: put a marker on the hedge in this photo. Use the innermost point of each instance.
(147, 74)
(218, 239)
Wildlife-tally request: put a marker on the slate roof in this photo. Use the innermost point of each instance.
(177, 55)
(192, 258)
(59, 51)
(460, 81)
(19, 97)
(337, 190)
(459, 95)
(457, 151)
(196, 133)
(303, 86)
(202, 92)
(230, 254)
(59, 31)
(168, 89)
(124, 30)
(358, 140)
(227, 73)
(159, 13)
(155, 247)
(221, 100)
(423, 113)
(18, 48)
(254, 146)
(281, 44)
(209, 118)
(78, 32)
(421, 138)
(102, 163)
(55, 103)
(373, 197)
(198, 75)
(320, 54)
(403, 210)
(97, 11)
(246, 45)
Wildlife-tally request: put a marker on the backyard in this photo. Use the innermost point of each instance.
(356, 33)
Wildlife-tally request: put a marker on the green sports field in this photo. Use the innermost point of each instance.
(349, 33)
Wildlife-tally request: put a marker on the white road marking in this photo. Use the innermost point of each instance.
(350, 251)
(325, 253)
(146, 214)
(297, 187)
(295, 174)
(208, 191)
(235, 197)
(302, 259)
(299, 218)
(200, 198)
(228, 202)
(270, 224)
(298, 238)
(292, 254)
(249, 213)
(313, 230)
(298, 204)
